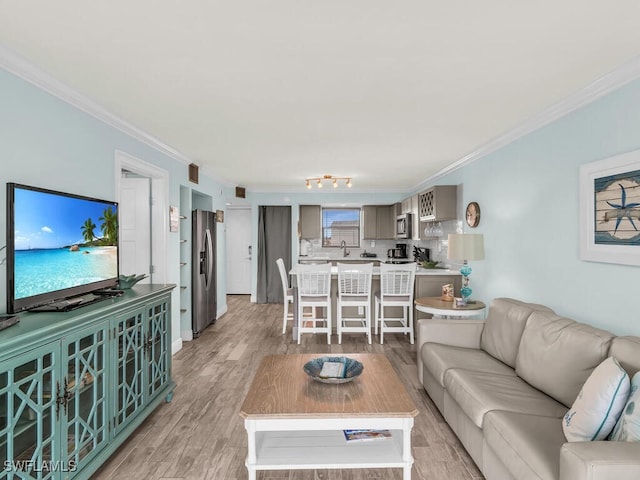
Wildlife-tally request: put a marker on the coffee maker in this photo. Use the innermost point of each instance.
(401, 250)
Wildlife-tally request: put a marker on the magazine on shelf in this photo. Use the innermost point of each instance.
(366, 435)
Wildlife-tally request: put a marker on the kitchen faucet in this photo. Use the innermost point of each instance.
(346, 252)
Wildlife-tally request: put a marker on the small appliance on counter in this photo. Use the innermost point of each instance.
(398, 254)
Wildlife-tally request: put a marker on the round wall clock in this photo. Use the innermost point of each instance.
(473, 214)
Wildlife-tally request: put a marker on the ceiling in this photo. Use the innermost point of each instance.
(266, 93)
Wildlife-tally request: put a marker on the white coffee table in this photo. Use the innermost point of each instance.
(294, 422)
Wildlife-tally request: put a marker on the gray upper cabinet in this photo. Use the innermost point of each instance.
(378, 222)
(310, 222)
(439, 203)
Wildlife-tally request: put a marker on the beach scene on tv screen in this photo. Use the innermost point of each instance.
(62, 242)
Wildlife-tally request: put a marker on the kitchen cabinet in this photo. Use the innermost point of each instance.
(379, 222)
(65, 379)
(431, 286)
(438, 204)
(310, 222)
(405, 206)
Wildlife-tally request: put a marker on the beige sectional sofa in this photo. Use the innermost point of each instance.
(504, 384)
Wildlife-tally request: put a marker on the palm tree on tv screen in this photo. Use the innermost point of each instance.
(88, 228)
(109, 226)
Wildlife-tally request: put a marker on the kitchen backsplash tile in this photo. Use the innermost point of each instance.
(437, 246)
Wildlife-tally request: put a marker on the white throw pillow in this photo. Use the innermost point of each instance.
(597, 408)
(628, 427)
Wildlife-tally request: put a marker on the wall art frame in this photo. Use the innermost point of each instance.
(610, 210)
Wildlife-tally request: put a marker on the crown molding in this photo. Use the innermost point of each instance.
(22, 68)
(602, 86)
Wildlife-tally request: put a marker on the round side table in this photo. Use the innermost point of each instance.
(438, 308)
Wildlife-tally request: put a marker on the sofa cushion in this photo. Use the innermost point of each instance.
(557, 354)
(528, 445)
(503, 328)
(627, 428)
(600, 401)
(627, 351)
(438, 358)
(479, 392)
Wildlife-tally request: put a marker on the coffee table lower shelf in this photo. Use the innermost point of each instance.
(321, 444)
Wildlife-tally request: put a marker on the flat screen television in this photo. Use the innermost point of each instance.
(59, 246)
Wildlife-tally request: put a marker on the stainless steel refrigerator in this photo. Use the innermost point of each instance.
(203, 270)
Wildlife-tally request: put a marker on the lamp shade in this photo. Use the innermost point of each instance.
(466, 246)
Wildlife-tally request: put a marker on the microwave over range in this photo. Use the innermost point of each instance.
(403, 226)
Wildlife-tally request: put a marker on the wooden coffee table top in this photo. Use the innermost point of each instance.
(281, 389)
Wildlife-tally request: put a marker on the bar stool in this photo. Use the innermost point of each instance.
(354, 290)
(288, 295)
(314, 290)
(396, 290)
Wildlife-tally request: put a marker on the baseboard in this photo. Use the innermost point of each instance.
(176, 346)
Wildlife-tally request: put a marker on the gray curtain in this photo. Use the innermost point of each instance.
(274, 241)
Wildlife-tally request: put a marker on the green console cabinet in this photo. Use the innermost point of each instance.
(75, 385)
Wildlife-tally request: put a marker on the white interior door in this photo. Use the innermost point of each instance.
(239, 249)
(135, 227)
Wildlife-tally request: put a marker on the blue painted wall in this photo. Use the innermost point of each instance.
(528, 192)
(529, 196)
(48, 143)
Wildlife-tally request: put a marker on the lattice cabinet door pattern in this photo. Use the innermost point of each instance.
(85, 429)
(129, 355)
(438, 203)
(28, 415)
(70, 396)
(158, 348)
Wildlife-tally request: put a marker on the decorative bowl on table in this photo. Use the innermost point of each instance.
(317, 370)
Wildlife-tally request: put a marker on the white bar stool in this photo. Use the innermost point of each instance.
(354, 290)
(314, 290)
(396, 290)
(288, 295)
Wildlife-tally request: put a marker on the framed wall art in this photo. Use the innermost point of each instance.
(610, 210)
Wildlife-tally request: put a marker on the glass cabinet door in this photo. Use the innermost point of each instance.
(129, 377)
(84, 423)
(158, 350)
(28, 409)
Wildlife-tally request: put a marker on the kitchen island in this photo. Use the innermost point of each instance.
(428, 283)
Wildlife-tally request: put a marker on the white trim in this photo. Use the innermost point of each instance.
(20, 67)
(602, 86)
(221, 312)
(176, 346)
(160, 191)
(186, 335)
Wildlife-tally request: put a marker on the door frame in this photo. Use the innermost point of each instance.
(159, 206)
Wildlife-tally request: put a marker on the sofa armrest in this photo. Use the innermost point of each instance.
(457, 333)
(600, 461)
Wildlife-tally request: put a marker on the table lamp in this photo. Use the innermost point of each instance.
(465, 246)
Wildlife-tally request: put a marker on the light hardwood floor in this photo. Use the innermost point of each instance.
(200, 436)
